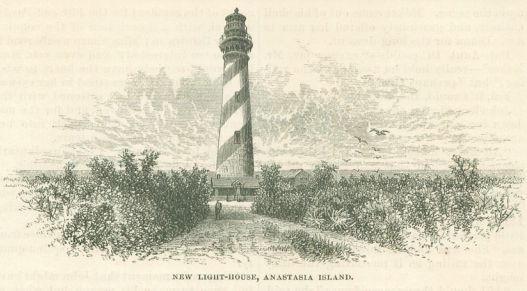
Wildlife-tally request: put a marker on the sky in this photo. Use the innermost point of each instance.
(91, 79)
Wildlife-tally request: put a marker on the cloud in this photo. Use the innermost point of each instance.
(149, 114)
(295, 128)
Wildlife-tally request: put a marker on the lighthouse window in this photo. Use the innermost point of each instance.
(237, 138)
(237, 96)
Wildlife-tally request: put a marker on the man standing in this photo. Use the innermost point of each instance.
(217, 209)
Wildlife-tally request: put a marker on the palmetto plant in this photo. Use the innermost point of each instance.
(314, 218)
(339, 220)
(384, 209)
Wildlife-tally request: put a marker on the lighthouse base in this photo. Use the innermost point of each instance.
(234, 188)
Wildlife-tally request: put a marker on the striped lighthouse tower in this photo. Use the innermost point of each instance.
(235, 142)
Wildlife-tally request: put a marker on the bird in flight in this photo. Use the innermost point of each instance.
(376, 149)
(361, 140)
(358, 151)
(379, 132)
(346, 160)
(378, 157)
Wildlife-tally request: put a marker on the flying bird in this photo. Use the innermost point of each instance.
(378, 157)
(358, 151)
(346, 160)
(361, 140)
(376, 149)
(379, 132)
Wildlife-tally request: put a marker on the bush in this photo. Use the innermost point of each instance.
(276, 198)
(465, 172)
(382, 209)
(501, 208)
(119, 211)
(378, 222)
(315, 248)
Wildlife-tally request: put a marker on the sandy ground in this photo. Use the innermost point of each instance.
(243, 237)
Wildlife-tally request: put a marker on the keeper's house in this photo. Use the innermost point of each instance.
(296, 177)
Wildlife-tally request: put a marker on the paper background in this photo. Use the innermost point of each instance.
(57, 56)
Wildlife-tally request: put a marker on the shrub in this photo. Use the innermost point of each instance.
(501, 209)
(276, 198)
(324, 176)
(423, 210)
(119, 211)
(315, 248)
(382, 209)
(378, 222)
(270, 187)
(465, 172)
(92, 226)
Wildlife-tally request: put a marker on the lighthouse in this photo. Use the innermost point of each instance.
(235, 140)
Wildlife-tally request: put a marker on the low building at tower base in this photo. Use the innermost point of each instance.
(234, 188)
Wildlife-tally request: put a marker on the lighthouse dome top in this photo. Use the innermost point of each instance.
(235, 37)
(235, 16)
